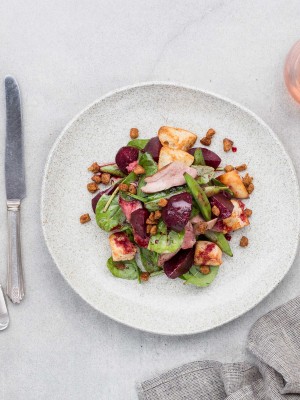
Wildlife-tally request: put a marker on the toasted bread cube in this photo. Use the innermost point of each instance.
(233, 180)
(166, 156)
(121, 247)
(238, 219)
(176, 138)
(207, 253)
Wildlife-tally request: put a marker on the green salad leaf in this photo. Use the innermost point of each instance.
(195, 210)
(157, 273)
(198, 158)
(166, 193)
(127, 228)
(147, 162)
(149, 260)
(150, 167)
(151, 201)
(215, 182)
(124, 269)
(135, 196)
(138, 143)
(166, 243)
(152, 206)
(112, 217)
(112, 169)
(132, 177)
(194, 276)
(139, 192)
(205, 173)
(162, 227)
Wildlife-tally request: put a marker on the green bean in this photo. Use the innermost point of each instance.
(199, 196)
(212, 190)
(220, 240)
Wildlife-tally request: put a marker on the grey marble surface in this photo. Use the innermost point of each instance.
(65, 54)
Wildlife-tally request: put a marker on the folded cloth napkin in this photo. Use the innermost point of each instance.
(274, 340)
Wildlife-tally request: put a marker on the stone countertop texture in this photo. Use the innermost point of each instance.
(65, 54)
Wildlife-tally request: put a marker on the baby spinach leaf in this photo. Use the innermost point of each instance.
(129, 233)
(141, 183)
(135, 196)
(149, 260)
(162, 227)
(152, 206)
(150, 167)
(152, 200)
(157, 273)
(147, 162)
(167, 193)
(112, 169)
(138, 143)
(194, 276)
(112, 217)
(123, 269)
(215, 182)
(127, 228)
(198, 158)
(132, 177)
(166, 243)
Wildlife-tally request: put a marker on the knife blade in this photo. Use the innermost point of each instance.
(15, 188)
(4, 317)
(14, 160)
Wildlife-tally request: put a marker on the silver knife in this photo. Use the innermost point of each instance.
(4, 318)
(15, 188)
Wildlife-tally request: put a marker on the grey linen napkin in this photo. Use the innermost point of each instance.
(274, 340)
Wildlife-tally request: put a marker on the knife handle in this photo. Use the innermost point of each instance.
(15, 281)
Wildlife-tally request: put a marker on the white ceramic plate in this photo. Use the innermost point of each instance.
(163, 305)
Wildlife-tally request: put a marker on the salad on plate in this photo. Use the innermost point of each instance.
(171, 203)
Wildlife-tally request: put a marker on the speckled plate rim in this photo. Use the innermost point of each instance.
(252, 303)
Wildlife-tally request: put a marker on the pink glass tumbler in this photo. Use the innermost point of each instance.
(292, 71)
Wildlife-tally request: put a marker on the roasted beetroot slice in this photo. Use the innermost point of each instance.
(177, 212)
(211, 159)
(138, 221)
(128, 207)
(100, 194)
(227, 195)
(153, 147)
(179, 264)
(125, 156)
(224, 205)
